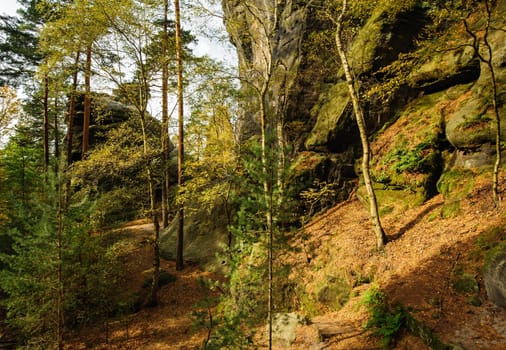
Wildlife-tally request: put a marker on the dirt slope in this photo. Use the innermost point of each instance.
(167, 326)
(417, 270)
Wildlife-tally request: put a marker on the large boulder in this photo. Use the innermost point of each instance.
(283, 328)
(206, 234)
(106, 114)
(471, 126)
(495, 278)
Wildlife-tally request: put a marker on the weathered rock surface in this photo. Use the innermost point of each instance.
(106, 114)
(283, 328)
(495, 278)
(205, 235)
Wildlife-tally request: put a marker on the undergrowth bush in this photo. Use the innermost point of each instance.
(384, 321)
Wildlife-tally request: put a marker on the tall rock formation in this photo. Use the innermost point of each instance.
(404, 73)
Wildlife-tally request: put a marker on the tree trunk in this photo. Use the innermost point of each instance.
(59, 300)
(45, 123)
(497, 164)
(87, 102)
(56, 137)
(179, 59)
(153, 296)
(72, 109)
(165, 119)
(359, 115)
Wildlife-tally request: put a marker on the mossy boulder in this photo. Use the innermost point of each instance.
(206, 234)
(495, 276)
(391, 29)
(443, 70)
(471, 124)
(335, 126)
(407, 157)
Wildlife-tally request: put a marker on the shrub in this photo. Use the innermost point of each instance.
(383, 322)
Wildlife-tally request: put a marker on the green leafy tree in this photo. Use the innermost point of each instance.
(9, 107)
(212, 140)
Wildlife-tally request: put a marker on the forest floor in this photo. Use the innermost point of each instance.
(425, 254)
(166, 326)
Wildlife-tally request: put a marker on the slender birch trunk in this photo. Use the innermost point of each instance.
(359, 116)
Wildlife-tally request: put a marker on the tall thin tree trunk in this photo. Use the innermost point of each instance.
(179, 59)
(59, 302)
(359, 115)
(56, 138)
(45, 123)
(497, 164)
(153, 296)
(70, 126)
(87, 102)
(165, 119)
(72, 109)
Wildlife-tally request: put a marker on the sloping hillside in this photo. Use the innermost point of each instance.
(167, 326)
(429, 252)
(420, 269)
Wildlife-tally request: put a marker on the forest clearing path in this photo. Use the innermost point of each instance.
(167, 326)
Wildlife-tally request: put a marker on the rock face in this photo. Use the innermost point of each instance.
(283, 328)
(292, 45)
(106, 114)
(495, 279)
(437, 94)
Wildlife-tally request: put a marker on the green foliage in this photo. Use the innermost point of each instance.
(334, 293)
(417, 159)
(489, 244)
(92, 272)
(465, 283)
(490, 238)
(211, 148)
(384, 322)
(319, 197)
(115, 206)
(243, 304)
(455, 185)
(112, 177)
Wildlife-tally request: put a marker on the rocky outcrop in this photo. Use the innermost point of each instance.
(437, 95)
(495, 278)
(268, 39)
(292, 45)
(471, 126)
(205, 234)
(106, 114)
